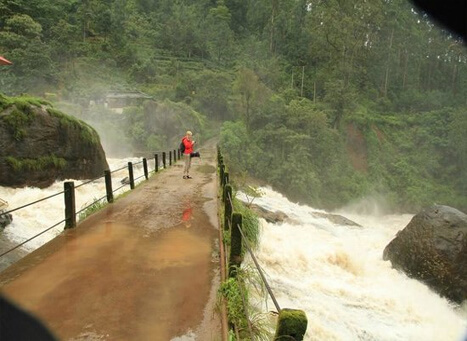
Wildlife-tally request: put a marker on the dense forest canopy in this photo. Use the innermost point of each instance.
(328, 100)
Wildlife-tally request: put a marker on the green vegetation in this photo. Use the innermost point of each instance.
(23, 103)
(158, 125)
(243, 318)
(41, 163)
(412, 162)
(292, 322)
(230, 290)
(96, 206)
(21, 113)
(246, 321)
(17, 121)
(328, 101)
(250, 223)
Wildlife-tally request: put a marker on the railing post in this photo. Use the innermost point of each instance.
(163, 159)
(228, 206)
(156, 163)
(175, 156)
(222, 170)
(235, 259)
(226, 178)
(170, 158)
(70, 205)
(145, 167)
(130, 174)
(108, 186)
(221, 160)
(291, 325)
(179, 154)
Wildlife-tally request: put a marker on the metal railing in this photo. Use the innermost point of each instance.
(253, 257)
(69, 193)
(238, 239)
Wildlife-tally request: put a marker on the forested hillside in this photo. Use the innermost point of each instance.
(330, 101)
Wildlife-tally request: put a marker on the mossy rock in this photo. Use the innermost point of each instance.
(291, 325)
(39, 145)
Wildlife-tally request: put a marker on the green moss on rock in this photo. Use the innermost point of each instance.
(292, 323)
(88, 133)
(20, 113)
(41, 145)
(21, 102)
(17, 120)
(41, 163)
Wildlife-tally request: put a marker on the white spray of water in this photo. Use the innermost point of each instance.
(34, 219)
(336, 274)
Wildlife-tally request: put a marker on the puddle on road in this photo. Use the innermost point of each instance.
(179, 246)
(104, 274)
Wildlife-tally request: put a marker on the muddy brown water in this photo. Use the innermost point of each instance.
(144, 268)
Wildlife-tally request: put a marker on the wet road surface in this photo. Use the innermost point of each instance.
(143, 268)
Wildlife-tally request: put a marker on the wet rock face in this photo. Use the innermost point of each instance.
(278, 217)
(336, 219)
(39, 145)
(433, 248)
(271, 217)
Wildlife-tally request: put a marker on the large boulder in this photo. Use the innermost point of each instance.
(39, 145)
(433, 248)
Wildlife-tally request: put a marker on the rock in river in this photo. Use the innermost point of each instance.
(433, 248)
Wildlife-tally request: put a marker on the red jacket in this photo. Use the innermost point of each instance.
(188, 146)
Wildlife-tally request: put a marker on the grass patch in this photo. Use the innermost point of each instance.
(246, 321)
(250, 222)
(93, 208)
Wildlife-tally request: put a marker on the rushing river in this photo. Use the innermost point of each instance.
(336, 274)
(33, 220)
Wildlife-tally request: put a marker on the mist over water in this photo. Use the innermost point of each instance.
(372, 205)
(34, 219)
(336, 274)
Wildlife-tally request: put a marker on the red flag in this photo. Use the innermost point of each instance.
(4, 61)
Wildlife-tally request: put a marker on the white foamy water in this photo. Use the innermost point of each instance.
(336, 274)
(34, 219)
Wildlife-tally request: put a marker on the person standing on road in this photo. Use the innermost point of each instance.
(188, 143)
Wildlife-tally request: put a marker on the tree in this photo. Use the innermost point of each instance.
(211, 94)
(251, 93)
(219, 37)
(21, 37)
